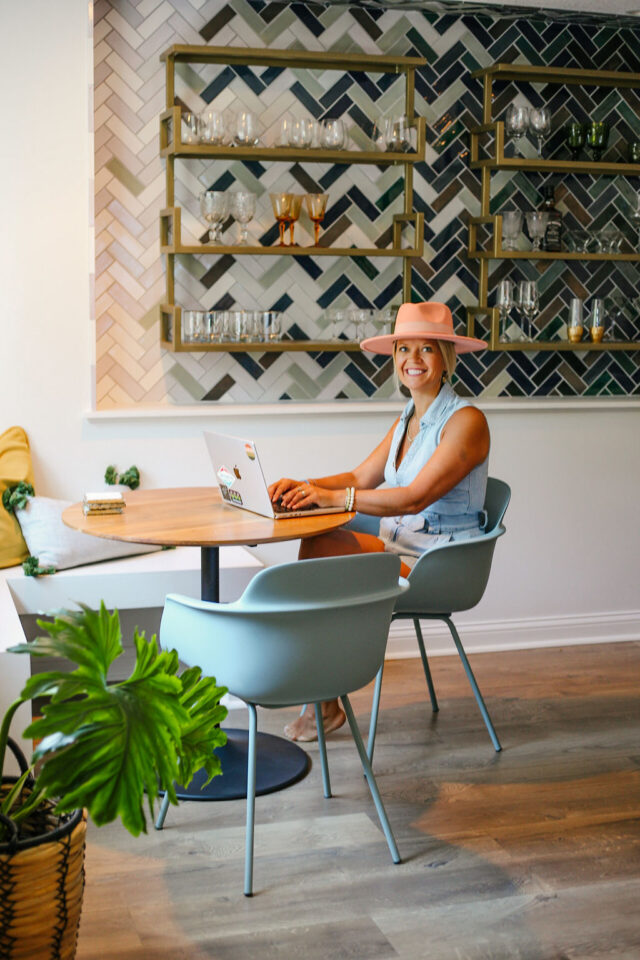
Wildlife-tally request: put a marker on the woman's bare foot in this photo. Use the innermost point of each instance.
(304, 728)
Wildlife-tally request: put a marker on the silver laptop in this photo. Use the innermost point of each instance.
(241, 480)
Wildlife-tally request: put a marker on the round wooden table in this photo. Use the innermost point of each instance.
(197, 516)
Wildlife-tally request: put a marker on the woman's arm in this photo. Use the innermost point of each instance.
(463, 445)
(369, 474)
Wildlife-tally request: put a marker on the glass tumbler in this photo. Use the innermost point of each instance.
(575, 324)
(271, 325)
(597, 320)
(511, 228)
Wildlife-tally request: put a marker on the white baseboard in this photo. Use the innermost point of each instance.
(517, 634)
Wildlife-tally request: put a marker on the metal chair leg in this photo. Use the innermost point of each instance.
(164, 806)
(425, 665)
(371, 780)
(251, 801)
(326, 782)
(375, 707)
(474, 685)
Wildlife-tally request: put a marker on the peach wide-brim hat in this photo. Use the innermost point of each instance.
(422, 321)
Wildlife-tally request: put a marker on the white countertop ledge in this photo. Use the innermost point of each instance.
(349, 407)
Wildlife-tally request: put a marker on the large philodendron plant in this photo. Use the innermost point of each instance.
(102, 746)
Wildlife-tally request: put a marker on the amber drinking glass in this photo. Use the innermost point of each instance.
(294, 212)
(281, 203)
(316, 206)
(597, 137)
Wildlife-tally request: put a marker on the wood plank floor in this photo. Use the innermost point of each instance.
(531, 854)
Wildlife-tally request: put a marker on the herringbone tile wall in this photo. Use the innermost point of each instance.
(129, 177)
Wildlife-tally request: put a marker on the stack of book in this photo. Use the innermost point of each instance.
(103, 503)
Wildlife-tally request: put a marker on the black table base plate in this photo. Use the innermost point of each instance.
(279, 764)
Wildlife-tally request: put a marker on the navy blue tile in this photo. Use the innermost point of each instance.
(359, 378)
(247, 362)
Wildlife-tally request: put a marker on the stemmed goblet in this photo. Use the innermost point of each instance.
(528, 305)
(294, 212)
(537, 221)
(214, 206)
(540, 125)
(597, 137)
(576, 138)
(505, 302)
(316, 204)
(281, 203)
(243, 208)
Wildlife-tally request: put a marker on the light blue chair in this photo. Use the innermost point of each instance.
(302, 632)
(446, 580)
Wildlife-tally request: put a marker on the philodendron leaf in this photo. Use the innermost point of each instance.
(104, 746)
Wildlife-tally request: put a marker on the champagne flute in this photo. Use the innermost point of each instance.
(575, 326)
(505, 302)
(528, 305)
(316, 204)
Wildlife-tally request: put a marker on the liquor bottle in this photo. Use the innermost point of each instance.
(552, 240)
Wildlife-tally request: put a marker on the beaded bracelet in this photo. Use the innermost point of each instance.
(349, 499)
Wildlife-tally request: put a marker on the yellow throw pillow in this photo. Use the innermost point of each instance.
(15, 465)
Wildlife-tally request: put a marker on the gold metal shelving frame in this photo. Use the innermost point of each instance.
(172, 148)
(488, 162)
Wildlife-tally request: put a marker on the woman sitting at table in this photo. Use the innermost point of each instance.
(433, 459)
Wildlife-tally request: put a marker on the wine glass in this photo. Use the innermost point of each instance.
(381, 134)
(528, 305)
(537, 221)
(214, 206)
(294, 212)
(245, 133)
(398, 134)
(243, 208)
(316, 204)
(301, 133)
(284, 134)
(597, 137)
(333, 135)
(540, 125)
(511, 227)
(576, 138)
(281, 203)
(516, 121)
(505, 302)
(190, 127)
(213, 128)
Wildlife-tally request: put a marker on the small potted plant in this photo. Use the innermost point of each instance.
(101, 748)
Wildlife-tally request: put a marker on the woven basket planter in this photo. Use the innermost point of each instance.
(41, 886)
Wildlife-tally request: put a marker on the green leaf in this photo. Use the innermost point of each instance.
(130, 478)
(111, 475)
(16, 496)
(32, 568)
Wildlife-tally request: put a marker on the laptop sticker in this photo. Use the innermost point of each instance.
(237, 473)
(235, 497)
(250, 451)
(225, 477)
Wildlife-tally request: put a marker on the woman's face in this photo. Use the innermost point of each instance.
(420, 364)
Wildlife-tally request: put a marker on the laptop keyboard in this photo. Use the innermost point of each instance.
(279, 507)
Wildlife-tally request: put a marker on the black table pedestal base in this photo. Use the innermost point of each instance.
(279, 764)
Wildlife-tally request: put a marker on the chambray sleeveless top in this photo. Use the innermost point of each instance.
(459, 514)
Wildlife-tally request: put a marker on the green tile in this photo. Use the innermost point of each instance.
(390, 195)
(598, 386)
(190, 384)
(120, 172)
(421, 45)
(189, 76)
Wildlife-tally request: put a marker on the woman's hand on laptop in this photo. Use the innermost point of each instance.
(308, 494)
(278, 489)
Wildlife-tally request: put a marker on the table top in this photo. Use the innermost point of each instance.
(195, 517)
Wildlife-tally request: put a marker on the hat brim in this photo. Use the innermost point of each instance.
(384, 344)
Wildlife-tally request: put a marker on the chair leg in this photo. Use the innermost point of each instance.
(371, 780)
(251, 801)
(375, 707)
(474, 685)
(425, 665)
(164, 806)
(326, 782)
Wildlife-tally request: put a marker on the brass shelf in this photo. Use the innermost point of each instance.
(565, 345)
(218, 248)
(261, 56)
(273, 346)
(494, 159)
(548, 255)
(172, 148)
(569, 76)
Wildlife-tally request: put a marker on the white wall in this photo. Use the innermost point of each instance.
(568, 567)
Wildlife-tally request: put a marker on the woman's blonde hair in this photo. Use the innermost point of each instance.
(449, 357)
